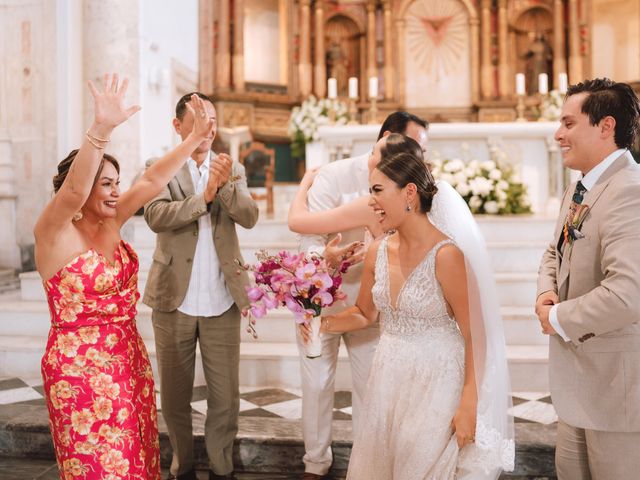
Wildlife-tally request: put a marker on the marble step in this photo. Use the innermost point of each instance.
(274, 364)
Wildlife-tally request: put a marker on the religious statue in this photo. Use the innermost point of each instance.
(539, 59)
(338, 65)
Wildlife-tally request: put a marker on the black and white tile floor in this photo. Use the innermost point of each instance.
(532, 407)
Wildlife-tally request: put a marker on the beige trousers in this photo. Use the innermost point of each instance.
(176, 335)
(318, 380)
(583, 454)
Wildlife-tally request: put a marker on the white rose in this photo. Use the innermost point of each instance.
(503, 185)
(495, 174)
(459, 177)
(481, 186)
(446, 177)
(501, 194)
(474, 202)
(463, 189)
(454, 165)
(491, 207)
(488, 165)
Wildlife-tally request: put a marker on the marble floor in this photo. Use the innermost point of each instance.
(534, 407)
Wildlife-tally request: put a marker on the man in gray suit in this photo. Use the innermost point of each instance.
(589, 287)
(196, 295)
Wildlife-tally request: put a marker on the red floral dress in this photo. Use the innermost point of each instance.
(97, 376)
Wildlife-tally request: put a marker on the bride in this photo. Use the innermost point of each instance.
(438, 393)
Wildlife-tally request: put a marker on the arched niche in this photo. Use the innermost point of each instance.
(532, 41)
(438, 53)
(343, 40)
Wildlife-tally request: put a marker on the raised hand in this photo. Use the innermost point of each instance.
(109, 111)
(202, 123)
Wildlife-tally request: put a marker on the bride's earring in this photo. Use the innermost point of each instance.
(77, 216)
(408, 208)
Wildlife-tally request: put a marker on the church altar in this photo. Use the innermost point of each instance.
(529, 147)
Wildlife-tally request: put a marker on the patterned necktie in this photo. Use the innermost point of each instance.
(569, 229)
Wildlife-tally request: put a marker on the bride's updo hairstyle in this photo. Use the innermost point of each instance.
(404, 168)
(65, 165)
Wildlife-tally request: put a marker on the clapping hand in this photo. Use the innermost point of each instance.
(219, 171)
(335, 255)
(109, 111)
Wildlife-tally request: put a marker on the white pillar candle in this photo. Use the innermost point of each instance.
(332, 88)
(520, 90)
(373, 87)
(563, 83)
(543, 83)
(353, 87)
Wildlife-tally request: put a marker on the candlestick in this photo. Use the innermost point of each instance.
(332, 88)
(563, 83)
(520, 87)
(520, 109)
(373, 87)
(373, 110)
(353, 87)
(543, 83)
(353, 112)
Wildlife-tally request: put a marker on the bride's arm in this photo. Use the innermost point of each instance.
(452, 276)
(354, 214)
(364, 312)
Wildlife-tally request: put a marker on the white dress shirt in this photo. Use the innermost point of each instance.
(207, 293)
(588, 181)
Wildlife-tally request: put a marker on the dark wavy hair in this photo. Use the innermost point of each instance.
(397, 122)
(65, 165)
(181, 106)
(404, 168)
(607, 98)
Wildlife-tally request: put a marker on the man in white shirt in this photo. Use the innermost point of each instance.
(589, 287)
(335, 184)
(196, 294)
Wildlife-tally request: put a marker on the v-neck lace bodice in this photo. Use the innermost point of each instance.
(420, 304)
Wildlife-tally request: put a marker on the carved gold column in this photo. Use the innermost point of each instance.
(319, 67)
(388, 52)
(372, 70)
(504, 71)
(206, 52)
(238, 45)
(575, 58)
(223, 58)
(559, 61)
(304, 65)
(474, 24)
(486, 71)
(402, 59)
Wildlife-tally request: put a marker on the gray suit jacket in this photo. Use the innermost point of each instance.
(595, 377)
(173, 215)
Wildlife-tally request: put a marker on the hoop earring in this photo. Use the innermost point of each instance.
(77, 217)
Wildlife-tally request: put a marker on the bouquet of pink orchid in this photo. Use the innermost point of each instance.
(303, 283)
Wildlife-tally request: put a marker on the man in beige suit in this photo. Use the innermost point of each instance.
(589, 288)
(196, 295)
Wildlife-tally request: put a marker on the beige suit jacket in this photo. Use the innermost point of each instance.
(595, 377)
(173, 215)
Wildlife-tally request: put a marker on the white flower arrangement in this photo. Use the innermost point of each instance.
(305, 120)
(551, 106)
(491, 186)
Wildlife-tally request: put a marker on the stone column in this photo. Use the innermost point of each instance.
(575, 58)
(223, 56)
(474, 25)
(304, 65)
(486, 72)
(372, 70)
(111, 37)
(504, 71)
(559, 61)
(402, 59)
(9, 252)
(206, 42)
(388, 52)
(320, 66)
(238, 45)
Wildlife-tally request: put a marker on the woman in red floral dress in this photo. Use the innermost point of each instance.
(97, 376)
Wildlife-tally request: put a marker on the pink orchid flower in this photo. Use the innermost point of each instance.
(322, 298)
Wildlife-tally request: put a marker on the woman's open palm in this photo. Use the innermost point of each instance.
(108, 104)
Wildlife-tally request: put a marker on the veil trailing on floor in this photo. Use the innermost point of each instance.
(494, 448)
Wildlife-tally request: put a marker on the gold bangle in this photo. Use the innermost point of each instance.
(99, 147)
(97, 139)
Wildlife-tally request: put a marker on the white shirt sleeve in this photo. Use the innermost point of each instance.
(553, 320)
(322, 196)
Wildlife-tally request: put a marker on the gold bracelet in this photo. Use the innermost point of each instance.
(99, 147)
(97, 139)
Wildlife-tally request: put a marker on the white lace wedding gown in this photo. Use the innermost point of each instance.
(415, 384)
